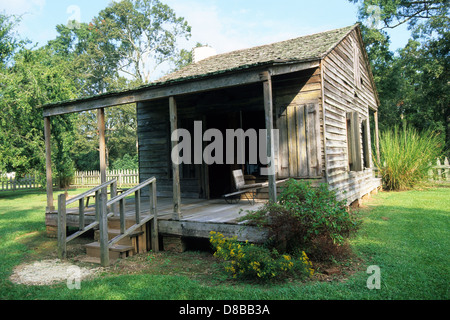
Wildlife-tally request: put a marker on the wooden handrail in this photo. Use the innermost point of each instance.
(131, 191)
(87, 193)
(62, 217)
(105, 243)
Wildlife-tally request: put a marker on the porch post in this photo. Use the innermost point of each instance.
(48, 164)
(268, 108)
(102, 143)
(377, 136)
(175, 165)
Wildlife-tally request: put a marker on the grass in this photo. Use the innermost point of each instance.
(405, 233)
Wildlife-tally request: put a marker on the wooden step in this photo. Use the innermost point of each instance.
(137, 239)
(116, 252)
(114, 223)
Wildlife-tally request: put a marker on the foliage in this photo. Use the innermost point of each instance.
(142, 33)
(126, 163)
(37, 77)
(413, 84)
(9, 42)
(250, 261)
(306, 218)
(406, 156)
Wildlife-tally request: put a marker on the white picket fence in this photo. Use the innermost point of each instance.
(10, 182)
(125, 178)
(440, 172)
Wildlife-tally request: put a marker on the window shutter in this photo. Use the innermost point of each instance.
(354, 141)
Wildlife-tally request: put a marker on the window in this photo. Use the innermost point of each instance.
(354, 142)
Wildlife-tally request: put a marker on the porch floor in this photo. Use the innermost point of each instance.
(198, 217)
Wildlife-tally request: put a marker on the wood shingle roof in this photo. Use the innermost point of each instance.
(306, 48)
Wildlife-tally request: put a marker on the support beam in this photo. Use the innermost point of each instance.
(268, 109)
(102, 143)
(175, 161)
(48, 163)
(166, 90)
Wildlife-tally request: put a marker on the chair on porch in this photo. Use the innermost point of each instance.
(243, 189)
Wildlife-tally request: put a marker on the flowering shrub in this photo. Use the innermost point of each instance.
(307, 218)
(251, 261)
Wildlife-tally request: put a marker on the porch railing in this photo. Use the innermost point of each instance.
(62, 217)
(141, 220)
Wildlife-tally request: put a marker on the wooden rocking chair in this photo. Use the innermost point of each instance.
(243, 189)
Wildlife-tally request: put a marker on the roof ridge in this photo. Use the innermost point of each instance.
(286, 40)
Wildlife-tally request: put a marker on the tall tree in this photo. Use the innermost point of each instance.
(37, 77)
(414, 84)
(144, 34)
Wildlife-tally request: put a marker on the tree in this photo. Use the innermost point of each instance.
(414, 84)
(144, 34)
(37, 77)
(9, 42)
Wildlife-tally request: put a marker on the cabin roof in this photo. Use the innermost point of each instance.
(306, 48)
(303, 49)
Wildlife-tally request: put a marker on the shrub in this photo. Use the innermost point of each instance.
(251, 261)
(308, 219)
(126, 163)
(406, 155)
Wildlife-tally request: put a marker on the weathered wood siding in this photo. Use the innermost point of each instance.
(155, 151)
(347, 88)
(298, 117)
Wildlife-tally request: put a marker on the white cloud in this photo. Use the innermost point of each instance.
(19, 7)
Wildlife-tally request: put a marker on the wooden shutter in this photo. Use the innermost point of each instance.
(354, 141)
(365, 126)
(299, 142)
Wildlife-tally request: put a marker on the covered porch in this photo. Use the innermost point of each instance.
(199, 218)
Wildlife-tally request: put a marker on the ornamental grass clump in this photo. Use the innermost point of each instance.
(250, 261)
(406, 157)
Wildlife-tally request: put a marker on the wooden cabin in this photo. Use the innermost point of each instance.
(317, 90)
(323, 97)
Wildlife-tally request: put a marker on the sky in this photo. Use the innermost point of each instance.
(225, 25)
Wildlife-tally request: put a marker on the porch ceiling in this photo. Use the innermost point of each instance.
(168, 89)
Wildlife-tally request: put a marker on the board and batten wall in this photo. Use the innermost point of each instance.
(155, 149)
(298, 117)
(347, 88)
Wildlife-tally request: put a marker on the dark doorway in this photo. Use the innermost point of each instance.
(220, 175)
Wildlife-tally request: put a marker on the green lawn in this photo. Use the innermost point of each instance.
(406, 234)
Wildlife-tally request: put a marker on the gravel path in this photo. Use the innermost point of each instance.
(49, 272)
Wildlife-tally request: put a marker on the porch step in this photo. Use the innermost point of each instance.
(135, 239)
(116, 252)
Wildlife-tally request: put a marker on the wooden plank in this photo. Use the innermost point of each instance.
(102, 143)
(292, 138)
(302, 149)
(103, 227)
(202, 230)
(62, 227)
(268, 110)
(377, 137)
(48, 165)
(283, 144)
(175, 165)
